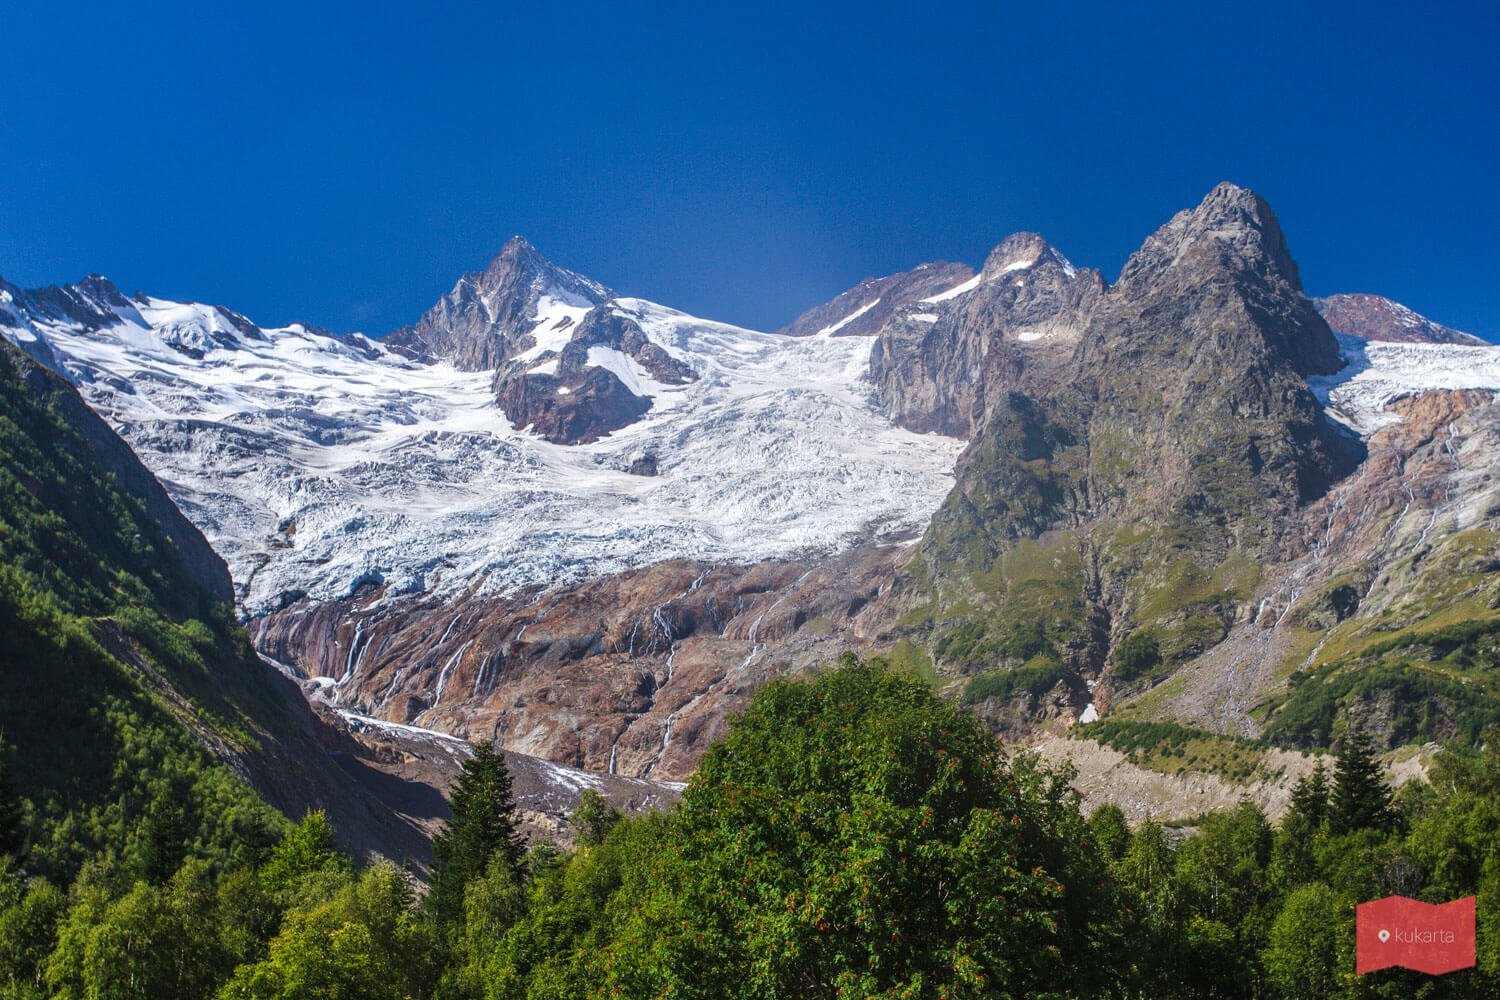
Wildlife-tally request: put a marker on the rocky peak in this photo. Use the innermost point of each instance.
(519, 266)
(567, 397)
(1232, 228)
(1022, 251)
(92, 304)
(1374, 317)
(493, 314)
(1226, 260)
(864, 309)
(941, 363)
(100, 289)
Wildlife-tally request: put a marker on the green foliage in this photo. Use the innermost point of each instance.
(129, 649)
(152, 943)
(1036, 677)
(1310, 948)
(852, 836)
(483, 825)
(1110, 831)
(1137, 655)
(29, 914)
(133, 783)
(1173, 748)
(855, 835)
(366, 942)
(1439, 684)
(1310, 797)
(594, 818)
(1360, 797)
(306, 856)
(973, 643)
(12, 816)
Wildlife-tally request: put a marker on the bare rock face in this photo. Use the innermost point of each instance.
(629, 675)
(940, 364)
(1375, 317)
(567, 398)
(1406, 544)
(489, 315)
(577, 408)
(865, 308)
(1140, 485)
(1193, 373)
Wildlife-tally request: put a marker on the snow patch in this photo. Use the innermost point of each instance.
(829, 331)
(957, 290)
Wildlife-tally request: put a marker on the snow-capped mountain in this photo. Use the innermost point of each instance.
(594, 523)
(316, 463)
(492, 314)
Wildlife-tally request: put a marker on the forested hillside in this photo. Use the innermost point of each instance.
(853, 836)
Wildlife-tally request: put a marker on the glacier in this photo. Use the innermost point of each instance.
(316, 463)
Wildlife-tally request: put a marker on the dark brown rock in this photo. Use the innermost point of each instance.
(1375, 317)
(865, 308)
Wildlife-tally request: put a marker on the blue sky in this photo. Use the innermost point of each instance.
(343, 165)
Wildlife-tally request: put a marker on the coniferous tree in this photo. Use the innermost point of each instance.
(1360, 798)
(483, 824)
(12, 824)
(1310, 797)
(593, 818)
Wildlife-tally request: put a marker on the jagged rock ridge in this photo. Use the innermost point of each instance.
(865, 308)
(1374, 317)
(494, 314)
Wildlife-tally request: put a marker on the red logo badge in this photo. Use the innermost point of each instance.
(1427, 937)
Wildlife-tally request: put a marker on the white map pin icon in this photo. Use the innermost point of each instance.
(1384, 936)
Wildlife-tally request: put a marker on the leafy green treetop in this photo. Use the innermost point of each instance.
(855, 836)
(594, 818)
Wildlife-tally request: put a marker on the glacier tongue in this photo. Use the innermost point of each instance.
(1376, 373)
(316, 463)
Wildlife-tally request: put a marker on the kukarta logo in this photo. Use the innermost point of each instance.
(1427, 937)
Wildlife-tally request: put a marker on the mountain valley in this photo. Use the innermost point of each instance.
(589, 526)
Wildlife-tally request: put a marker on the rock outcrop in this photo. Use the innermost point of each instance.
(865, 308)
(577, 394)
(633, 674)
(1375, 317)
(493, 314)
(941, 364)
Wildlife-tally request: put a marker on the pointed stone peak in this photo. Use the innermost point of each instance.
(519, 263)
(516, 249)
(102, 290)
(1232, 227)
(1020, 251)
(490, 314)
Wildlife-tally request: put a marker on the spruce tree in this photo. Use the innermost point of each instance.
(1360, 797)
(1310, 797)
(483, 825)
(12, 823)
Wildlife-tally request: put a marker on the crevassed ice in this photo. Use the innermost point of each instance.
(315, 463)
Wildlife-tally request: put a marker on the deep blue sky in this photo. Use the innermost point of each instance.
(343, 166)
